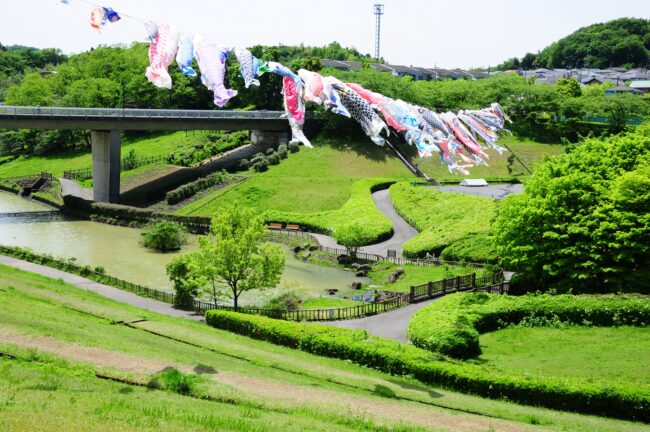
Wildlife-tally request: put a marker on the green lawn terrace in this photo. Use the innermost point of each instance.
(615, 354)
(502, 167)
(231, 382)
(152, 145)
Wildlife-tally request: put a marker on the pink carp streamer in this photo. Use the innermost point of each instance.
(295, 110)
(162, 52)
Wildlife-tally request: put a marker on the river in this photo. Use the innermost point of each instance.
(119, 250)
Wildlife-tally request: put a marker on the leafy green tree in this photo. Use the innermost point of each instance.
(352, 236)
(569, 87)
(235, 255)
(164, 237)
(584, 220)
(33, 90)
(181, 274)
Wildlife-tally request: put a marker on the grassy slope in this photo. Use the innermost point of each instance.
(265, 387)
(323, 187)
(152, 146)
(442, 218)
(614, 353)
(529, 151)
(312, 180)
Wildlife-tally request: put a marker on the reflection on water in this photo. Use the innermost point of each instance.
(120, 252)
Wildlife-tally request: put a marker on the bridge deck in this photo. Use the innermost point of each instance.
(15, 117)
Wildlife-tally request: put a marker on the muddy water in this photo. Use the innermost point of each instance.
(119, 250)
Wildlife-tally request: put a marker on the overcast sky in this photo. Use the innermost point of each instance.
(445, 33)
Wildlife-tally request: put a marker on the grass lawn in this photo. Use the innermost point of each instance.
(62, 336)
(137, 176)
(151, 146)
(530, 152)
(312, 180)
(328, 302)
(604, 353)
(415, 275)
(443, 218)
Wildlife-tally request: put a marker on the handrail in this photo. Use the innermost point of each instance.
(45, 112)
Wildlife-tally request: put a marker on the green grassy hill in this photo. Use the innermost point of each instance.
(152, 146)
(73, 360)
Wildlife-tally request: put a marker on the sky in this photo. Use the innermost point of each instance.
(442, 33)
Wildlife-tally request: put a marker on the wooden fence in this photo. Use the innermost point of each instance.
(493, 284)
(374, 257)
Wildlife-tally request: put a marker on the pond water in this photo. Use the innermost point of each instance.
(119, 250)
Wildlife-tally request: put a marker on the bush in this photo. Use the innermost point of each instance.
(188, 190)
(451, 326)
(273, 159)
(175, 381)
(293, 147)
(261, 165)
(614, 400)
(244, 164)
(164, 237)
(283, 151)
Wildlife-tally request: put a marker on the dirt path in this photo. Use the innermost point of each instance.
(272, 392)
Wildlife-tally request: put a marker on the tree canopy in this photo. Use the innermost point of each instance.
(621, 42)
(583, 223)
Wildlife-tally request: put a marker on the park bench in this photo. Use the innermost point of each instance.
(275, 226)
(293, 227)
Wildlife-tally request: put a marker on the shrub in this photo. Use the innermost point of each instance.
(261, 165)
(188, 190)
(614, 400)
(293, 147)
(164, 237)
(283, 151)
(175, 381)
(273, 159)
(269, 151)
(451, 326)
(244, 164)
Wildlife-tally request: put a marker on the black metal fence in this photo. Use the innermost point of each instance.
(451, 285)
(126, 165)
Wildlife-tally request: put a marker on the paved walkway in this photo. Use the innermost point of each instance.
(390, 325)
(101, 289)
(498, 191)
(402, 231)
(71, 187)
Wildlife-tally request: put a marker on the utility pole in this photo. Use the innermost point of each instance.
(379, 11)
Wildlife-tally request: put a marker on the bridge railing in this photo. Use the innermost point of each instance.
(21, 111)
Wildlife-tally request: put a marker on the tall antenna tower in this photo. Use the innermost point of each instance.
(379, 11)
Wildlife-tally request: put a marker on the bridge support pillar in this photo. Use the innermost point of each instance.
(106, 148)
(269, 138)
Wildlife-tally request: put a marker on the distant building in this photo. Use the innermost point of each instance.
(643, 86)
(621, 89)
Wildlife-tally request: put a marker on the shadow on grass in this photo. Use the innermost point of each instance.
(417, 387)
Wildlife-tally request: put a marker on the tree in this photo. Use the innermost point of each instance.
(584, 219)
(164, 237)
(33, 90)
(186, 285)
(352, 236)
(235, 255)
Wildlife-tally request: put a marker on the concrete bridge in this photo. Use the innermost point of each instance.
(106, 126)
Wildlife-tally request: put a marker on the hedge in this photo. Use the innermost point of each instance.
(452, 325)
(613, 400)
(442, 218)
(190, 189)
(360, 209)
(138, 216)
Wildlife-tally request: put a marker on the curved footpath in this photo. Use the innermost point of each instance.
(402, 231)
